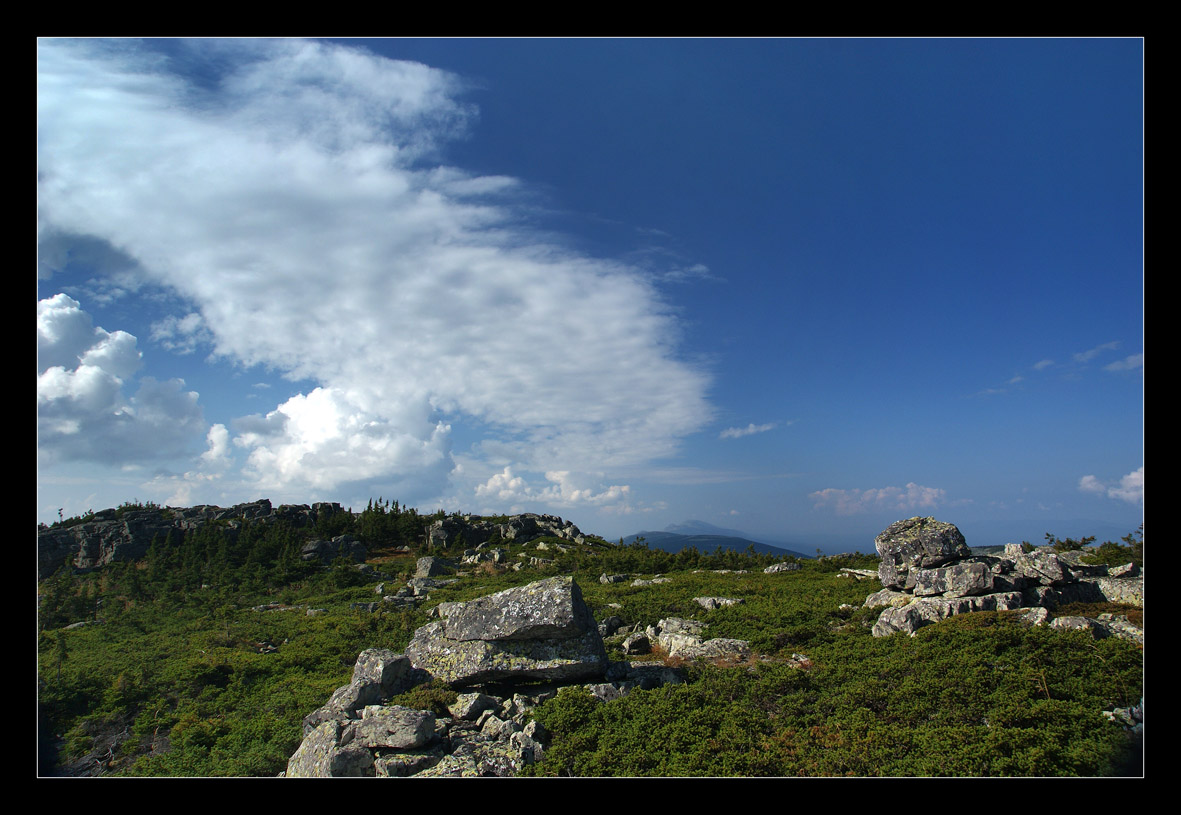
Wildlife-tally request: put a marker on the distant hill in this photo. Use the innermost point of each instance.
(706, 543)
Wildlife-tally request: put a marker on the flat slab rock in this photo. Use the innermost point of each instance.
(541, 632)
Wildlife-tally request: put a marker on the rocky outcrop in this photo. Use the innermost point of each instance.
(684, 639)
(326, 552)
(916, 543)
(473, 531)
(541, 632)
(122, 534)
(928, 574)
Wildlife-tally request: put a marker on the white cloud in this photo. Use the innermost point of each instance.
(852, 502)
(1041, 365)
(1087, 356)
(83, 412)
(296, 202)
(749, 430)
(564, 490)
(1130, 487)
(1130, 363)
(181, 335)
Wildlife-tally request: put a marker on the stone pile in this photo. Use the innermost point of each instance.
(506, 653)
(928, 573)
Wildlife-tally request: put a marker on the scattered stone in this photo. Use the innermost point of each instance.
(711, 603)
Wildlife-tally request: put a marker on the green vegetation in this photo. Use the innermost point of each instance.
(184, 677)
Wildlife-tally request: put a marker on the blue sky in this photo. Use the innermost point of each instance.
(798, 287)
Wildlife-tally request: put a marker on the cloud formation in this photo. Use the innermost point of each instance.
(1130, 363)
(749, 430)
(296, 201)
(84, 413)
(1130, 487)
(854, 502)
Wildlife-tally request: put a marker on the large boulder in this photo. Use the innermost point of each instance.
(916, 543)
(540, 632)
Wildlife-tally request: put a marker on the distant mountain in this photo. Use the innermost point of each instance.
(703, 528)
(706, 543)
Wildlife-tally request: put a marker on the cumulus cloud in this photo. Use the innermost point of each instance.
(564, 490)
(1130, 488)
(852, 502)
(749, 430)
(83, 411)
(296, 200)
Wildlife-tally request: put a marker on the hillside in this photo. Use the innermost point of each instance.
(205, 654)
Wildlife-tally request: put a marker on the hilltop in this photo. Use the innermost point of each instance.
(216, 651)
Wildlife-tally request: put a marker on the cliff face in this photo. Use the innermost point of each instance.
(114, 535)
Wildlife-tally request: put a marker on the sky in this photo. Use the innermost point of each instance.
(801, 288)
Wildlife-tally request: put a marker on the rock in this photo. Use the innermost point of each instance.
(432, 567)
(682, 639)
(926, 610)
(1127, 570)
(540, 632)
(956, 580)
(888, 597)
(916, 543)
(547, 609)
(613, 578)
(859, 574)
(610, 625)
(1118, 625)
(711, 603)
(469, 706)
(636, 643)
(390, 671)
(394, 728)
(1077, 623)
(777, 568)
(377, 674)
(1128, 590)
(326, 552)
(327, 752)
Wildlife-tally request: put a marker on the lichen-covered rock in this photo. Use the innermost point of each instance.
(926, 610)
(473, 662)
(1128, 590)
(955, 580)
(888, 597)
(916, 543)
(547, 609)
(328, 752)
(540, 632)
(394, 727)
(469, 706)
